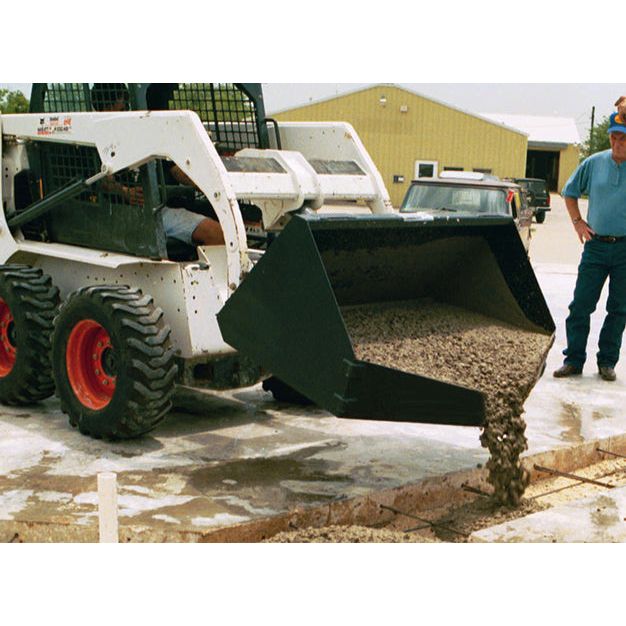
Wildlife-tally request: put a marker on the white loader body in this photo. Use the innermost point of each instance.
(318, 162)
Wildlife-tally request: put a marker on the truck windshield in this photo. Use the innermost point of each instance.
(455, 198)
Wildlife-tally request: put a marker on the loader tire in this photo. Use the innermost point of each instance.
(282, 392)
(28, 304)
(112, 362)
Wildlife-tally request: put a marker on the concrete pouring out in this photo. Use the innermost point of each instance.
(462, 347)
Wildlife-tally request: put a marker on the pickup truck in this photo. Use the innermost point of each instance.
(470, 195)
(538, 196)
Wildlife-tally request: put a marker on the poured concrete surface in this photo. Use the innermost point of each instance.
(240, 460)
(599, 519)
(236, 457)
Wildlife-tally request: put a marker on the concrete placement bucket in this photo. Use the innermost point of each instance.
(287, 313)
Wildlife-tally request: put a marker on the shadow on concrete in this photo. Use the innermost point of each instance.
(134, 447)
(197, 411)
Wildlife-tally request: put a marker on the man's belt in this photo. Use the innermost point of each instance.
(609, 238)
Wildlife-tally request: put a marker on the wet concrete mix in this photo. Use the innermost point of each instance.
(348, 534)
(465, 348)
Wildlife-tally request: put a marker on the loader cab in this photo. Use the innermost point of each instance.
(98, 217)
(232, 113)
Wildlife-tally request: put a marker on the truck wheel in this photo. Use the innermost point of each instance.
(28, 303)
(112, 362)
(282, 392)
(540, 217)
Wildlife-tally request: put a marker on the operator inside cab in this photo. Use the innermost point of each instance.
(179, 223)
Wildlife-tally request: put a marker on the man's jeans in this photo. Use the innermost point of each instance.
(599, 261)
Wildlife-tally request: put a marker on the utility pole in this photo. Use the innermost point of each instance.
(593, 119)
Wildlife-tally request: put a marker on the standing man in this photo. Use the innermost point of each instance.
(602, 177)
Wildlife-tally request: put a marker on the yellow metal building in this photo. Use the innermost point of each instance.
(409, 135)
(569, 161)
(402, 130)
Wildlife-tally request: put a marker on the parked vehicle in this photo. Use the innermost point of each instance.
(538, 196)
(465, 198)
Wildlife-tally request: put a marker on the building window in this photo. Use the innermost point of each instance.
(426, 169)
(452, 169)
(482, 170)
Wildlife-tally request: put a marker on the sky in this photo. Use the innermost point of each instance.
(574, 100)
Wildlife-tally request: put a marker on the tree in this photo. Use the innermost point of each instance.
(600, 139)
(13, 102)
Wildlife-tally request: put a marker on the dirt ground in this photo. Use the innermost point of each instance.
(456, 523)
(544, 494)
(349, 534)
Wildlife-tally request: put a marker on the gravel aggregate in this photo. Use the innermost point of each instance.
(348, 534)
(459, 346)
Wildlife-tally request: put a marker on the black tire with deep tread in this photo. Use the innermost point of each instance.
(146, 370)
(33, 302)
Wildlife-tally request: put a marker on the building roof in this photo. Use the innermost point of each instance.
(541, 130)
(480, 116)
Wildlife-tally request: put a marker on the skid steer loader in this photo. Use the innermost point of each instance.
(98, 306)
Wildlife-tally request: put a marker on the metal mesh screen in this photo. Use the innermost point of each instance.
(227, 112)
(110, 97)
(62, 97)
(64, 163)
(85, 97)
(112, 214)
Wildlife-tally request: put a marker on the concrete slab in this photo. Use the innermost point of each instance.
(599, 519)
(225, 459)
(577, 409)
(243, 458)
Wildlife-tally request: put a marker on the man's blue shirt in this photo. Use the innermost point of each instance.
(604, 181)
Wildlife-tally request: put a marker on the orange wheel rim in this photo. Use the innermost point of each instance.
(90, 363)
(7, 340)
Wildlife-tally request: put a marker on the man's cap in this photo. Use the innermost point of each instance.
(617, 124)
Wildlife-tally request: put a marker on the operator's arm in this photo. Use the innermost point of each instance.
(579, 184)
(181, 177)
(583, 230)
(133, 195)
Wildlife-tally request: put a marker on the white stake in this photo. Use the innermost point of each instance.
(107, 507)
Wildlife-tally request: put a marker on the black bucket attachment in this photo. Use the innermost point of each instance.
(286, 315)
